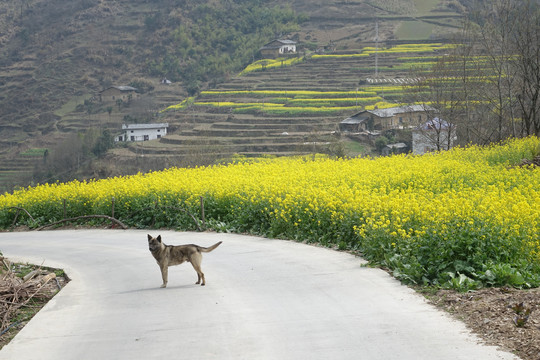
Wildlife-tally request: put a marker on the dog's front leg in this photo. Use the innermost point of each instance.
(164, 275)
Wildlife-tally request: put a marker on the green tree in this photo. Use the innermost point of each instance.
(103, 143)
(221, 39)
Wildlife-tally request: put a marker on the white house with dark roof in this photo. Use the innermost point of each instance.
(277, 48)
(142, 132)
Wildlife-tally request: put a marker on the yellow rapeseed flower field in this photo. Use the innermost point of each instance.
(464, 211)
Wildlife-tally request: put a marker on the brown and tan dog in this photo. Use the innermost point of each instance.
(169, 255)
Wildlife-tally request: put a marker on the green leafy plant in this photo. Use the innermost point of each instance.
(522, 314)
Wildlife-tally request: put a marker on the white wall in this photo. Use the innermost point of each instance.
(287, 49)
(144, 134)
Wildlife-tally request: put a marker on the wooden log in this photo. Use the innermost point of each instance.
(121, 224)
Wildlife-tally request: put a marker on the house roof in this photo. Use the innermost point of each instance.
(389, 112)
(383, 113)
(122, 88)
(397, 146)
(357, 118)
(286, 42)
(276, 44)
(435, 124)
(351, 121)
(144, 126)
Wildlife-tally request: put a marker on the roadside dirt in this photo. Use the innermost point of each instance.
(492, 315)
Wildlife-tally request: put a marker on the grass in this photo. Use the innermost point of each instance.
(35, 152)
(354, 148)
(70, 106)
(338, 56)
(264, 64)
(414, 30)
(424, 7)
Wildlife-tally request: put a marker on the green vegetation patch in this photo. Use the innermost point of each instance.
(71, 105)
(424, 7)
(265, 64)
(414, 30)
(35, 152)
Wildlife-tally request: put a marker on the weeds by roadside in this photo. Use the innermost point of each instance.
(24, 290)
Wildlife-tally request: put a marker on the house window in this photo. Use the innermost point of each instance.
(145, 138)
(132, 138)
(401, 120)
(159, 136)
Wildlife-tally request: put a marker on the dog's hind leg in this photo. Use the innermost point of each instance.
(196, 262)
(199, 277)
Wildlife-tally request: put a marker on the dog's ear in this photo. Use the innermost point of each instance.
(149, 237)
(159, 238)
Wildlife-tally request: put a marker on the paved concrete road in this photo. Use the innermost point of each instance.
(264, 299)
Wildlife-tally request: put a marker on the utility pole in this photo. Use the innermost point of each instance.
(376, 48)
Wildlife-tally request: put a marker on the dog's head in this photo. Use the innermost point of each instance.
(154, 243)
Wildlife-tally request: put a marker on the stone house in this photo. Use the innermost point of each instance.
(355, 123)
(115, 93)
(401, 117)
(142, 132)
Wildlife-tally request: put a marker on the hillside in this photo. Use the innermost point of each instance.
(285, 110)
(58, 55)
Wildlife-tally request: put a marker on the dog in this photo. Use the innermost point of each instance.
(169, 255)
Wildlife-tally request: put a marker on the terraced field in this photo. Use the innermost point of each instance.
(284, 110)
(292, 109)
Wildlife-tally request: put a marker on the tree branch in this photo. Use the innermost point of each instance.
(121, 224)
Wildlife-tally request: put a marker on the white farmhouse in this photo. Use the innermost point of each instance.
(142, 132)
(278, 48)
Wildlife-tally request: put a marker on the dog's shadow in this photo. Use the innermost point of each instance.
(157, 288)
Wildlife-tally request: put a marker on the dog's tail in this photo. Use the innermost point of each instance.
(208, 249)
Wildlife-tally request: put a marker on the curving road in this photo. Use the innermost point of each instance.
(264, 299)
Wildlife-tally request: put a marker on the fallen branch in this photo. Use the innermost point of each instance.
(31, 274)
(118, 222)
(19, 209)
(44, 280)
(6, 263)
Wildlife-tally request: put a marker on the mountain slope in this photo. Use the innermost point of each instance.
(57, 55)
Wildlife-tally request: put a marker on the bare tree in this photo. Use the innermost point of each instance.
(526, 41)
(510, 38)
(489, 86)
(439, 92)
(499, 75)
